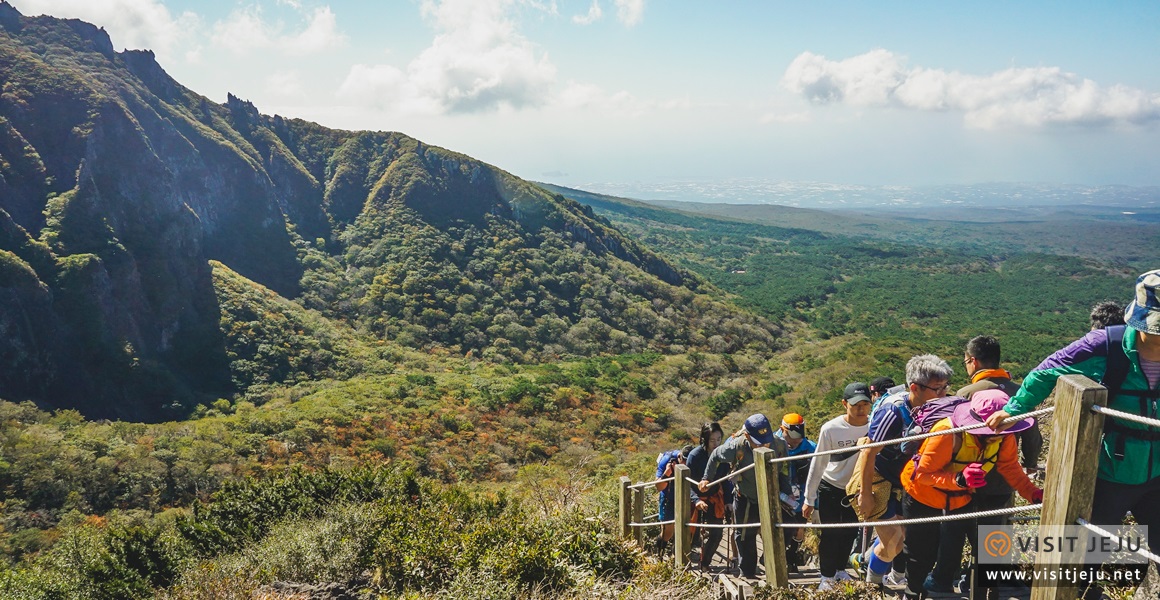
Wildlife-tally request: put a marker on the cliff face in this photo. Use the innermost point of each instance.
(118, 186)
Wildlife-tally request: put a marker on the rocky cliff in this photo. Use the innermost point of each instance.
(118, 185)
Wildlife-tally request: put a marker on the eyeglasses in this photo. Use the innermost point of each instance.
(937, 390)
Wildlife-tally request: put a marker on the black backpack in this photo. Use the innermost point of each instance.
(1115, 373)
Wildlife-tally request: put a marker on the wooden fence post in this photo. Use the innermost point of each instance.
(682, 510)
(638, 515)
(625, 507)
(1073, 462)
(769, 507)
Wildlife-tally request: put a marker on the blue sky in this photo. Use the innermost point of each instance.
(619, 91)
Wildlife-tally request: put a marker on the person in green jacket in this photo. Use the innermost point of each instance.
(1129, 466)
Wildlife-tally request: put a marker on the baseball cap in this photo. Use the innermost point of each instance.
(881, 384)
(795, 425)
(856, 392)
(757, 426)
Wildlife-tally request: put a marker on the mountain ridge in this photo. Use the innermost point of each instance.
(120, 186)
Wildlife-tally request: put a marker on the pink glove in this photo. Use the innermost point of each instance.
(1037, 496)
(974, 475)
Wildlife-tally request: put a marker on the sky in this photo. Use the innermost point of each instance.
(587, 93)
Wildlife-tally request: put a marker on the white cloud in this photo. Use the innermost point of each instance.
(630, 12)
(477, 62)
(594, 14)
(379, 86)
(130, 23)
(1026, 97)
(286, 84)
(246, 29)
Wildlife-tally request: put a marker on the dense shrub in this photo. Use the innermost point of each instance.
(377, 529)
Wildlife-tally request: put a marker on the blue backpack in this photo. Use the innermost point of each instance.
(663, 460)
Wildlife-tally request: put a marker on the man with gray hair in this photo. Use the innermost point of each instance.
(880, 488)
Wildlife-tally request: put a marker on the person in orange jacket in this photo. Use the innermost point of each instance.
(946, 471)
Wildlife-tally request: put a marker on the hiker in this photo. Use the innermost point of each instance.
(829, 474)
(1126, 360)
(879, 388)
(709, 506)
(1106, 313)
(666, 466)
(876, 480)
(981, 359)
(948, 471)
(738, 452)
(792, 483)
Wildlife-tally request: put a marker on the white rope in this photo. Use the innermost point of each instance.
(939, 519)
(652, 523)
(875, 445)
(1105, 533)
(644, 485)
(911, 438)
(725, 525)
(1111, 412)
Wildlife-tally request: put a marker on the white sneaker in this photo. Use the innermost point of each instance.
(842, 576)
(892, 581)
(827, 583)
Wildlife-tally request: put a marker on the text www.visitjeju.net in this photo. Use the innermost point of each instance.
(1079, 575)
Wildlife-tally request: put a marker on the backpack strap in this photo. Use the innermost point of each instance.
(1115, 373)
(1117, 362)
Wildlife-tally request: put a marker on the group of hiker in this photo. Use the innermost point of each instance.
(978, 470)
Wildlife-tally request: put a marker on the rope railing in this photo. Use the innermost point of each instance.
(744, 469)
(648, 483)
(1096, 528)
(1111, 412)
(912, 438)
(725, 525)
(959, 517)
(874, 445)
(652, 523)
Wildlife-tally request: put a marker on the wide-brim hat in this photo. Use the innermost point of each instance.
(1143, 314)
(983, 404)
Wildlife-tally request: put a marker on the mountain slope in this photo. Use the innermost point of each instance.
(118, 186)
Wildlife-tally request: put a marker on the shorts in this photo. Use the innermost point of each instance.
(887, 501)
(893, 505)
(666, 508)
